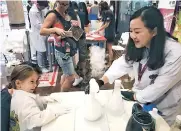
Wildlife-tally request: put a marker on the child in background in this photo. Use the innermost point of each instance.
(27, 112)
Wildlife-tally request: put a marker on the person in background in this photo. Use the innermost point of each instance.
(155, 58)
(82, 15)
(56, 23)
(38, 41)
(88, 5)
(100, 12)
(81, 45)
(70, 10)
(137, 6)
(79, 17)
(29, 5)
(95, 9)
(83, 8)
(111, 6)
(6, 95)
(108, 20)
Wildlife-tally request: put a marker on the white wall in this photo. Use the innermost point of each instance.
(169, 4)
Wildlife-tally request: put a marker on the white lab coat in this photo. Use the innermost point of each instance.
(166, 90)
(36, 19)
(26, 106)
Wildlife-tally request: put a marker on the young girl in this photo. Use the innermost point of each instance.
(27, 112)
(6, 99)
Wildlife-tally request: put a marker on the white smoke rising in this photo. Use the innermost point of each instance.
(97, 61)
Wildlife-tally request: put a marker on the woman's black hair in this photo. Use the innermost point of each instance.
(152, 19)
(103, 6)
(95, 2)
(83, 6)
(42, 3)
(74, 5)
(29, 1)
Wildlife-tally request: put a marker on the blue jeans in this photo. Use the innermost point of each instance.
(41, 59)
(66, 65)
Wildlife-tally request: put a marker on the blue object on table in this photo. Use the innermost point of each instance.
(149, 107)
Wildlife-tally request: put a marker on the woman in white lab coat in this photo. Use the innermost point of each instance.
(155, 60)
(38, 41)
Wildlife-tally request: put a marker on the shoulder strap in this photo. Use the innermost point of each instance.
(59, 17)
(51, 11)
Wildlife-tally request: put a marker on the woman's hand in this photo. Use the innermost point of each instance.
(94, 32)
(128, 95)
(99, 82)
(60, 32)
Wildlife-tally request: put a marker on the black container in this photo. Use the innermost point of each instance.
(141, 121)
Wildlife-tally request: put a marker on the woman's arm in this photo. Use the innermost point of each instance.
(106, 19)
(102, 27)
(118, 69)
(46, 28)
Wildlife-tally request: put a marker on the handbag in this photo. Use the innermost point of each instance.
(140, 120)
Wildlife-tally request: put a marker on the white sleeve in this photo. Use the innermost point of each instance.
(30, 115)
(35, 20)
(118, 69)
(168, 76)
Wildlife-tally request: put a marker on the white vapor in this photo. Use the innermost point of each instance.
(97, 61)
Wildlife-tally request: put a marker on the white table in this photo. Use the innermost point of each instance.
(75, 121)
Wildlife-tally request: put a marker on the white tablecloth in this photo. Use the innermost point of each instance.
(75, 121)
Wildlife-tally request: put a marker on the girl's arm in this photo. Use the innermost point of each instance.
(31, 116)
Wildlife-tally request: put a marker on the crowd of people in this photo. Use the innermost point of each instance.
(56, 22)
(152, 54)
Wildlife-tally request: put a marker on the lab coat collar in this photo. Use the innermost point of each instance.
(34, 8)
(145, 56)
(21, 92)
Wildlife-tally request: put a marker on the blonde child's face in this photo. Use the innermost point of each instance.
(29, 84)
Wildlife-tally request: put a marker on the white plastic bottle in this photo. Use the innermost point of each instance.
(115, 105)
(157, 117)
(177, 125)
(92, 109)
(159, 121)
